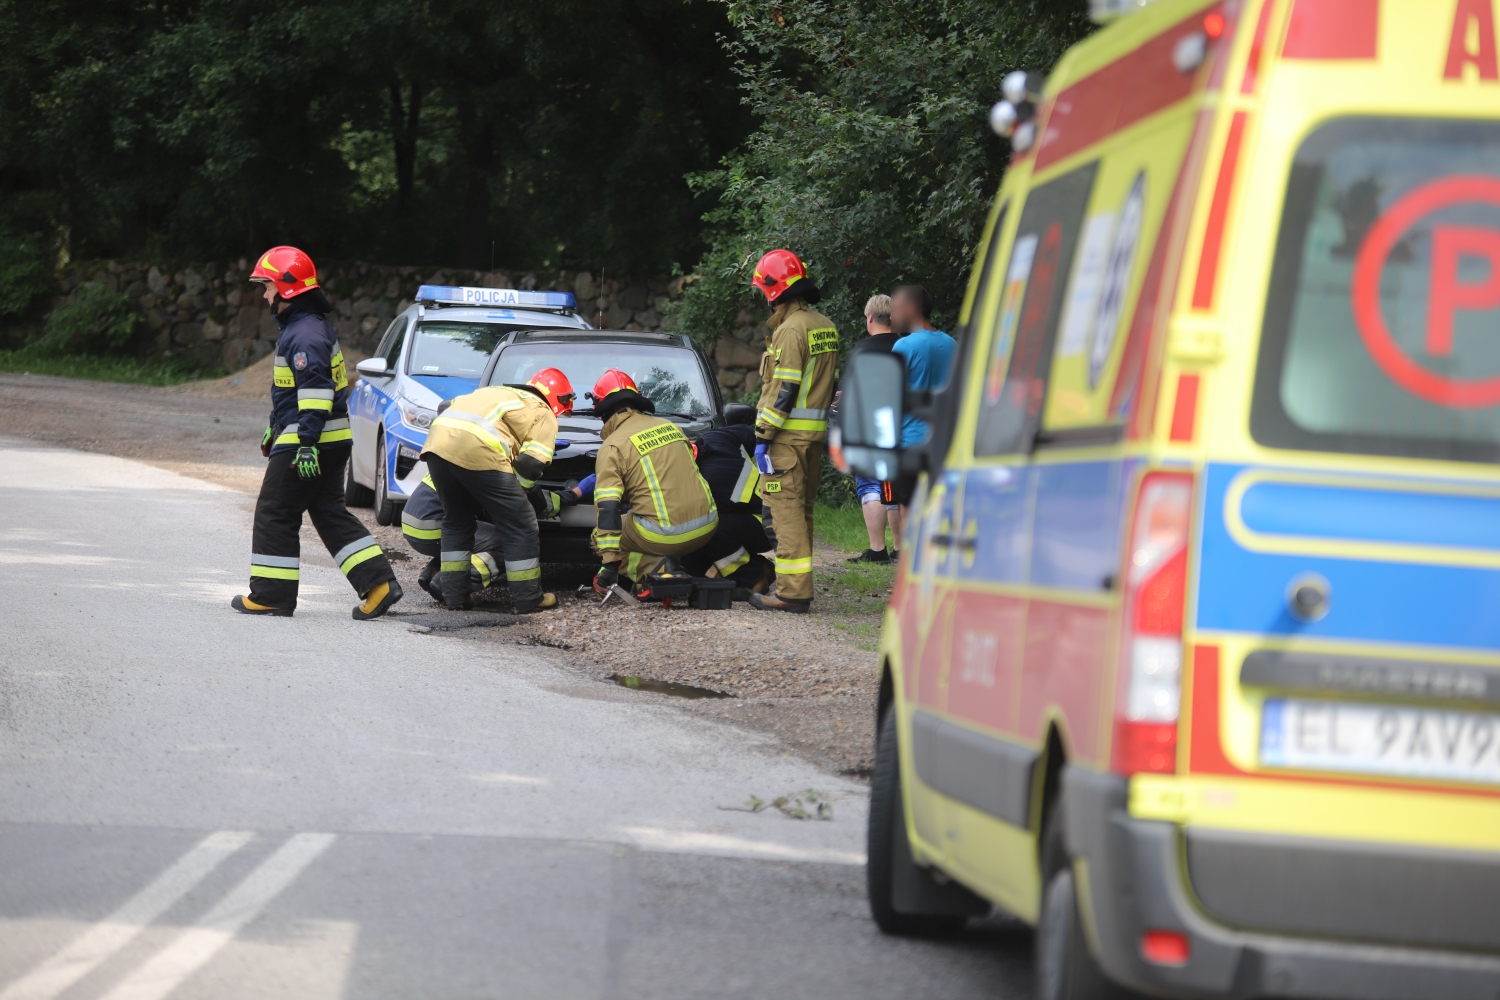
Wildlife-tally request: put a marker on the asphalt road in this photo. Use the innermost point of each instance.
(201, 804)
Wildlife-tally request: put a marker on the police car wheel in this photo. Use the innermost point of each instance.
(355, 495)
(1065, 968)
(386, 509)
(887, 852)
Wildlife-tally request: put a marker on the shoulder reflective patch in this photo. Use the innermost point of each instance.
(822, 341)
(654, 437)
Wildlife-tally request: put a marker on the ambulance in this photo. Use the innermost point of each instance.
(1193, 655)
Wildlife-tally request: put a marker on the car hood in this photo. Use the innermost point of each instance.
(441, 387)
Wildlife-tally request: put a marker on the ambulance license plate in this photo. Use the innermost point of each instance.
(1397, 740)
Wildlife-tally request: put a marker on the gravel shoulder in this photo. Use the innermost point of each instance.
(809, 680)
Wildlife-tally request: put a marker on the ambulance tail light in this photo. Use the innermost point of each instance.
(1150, 691)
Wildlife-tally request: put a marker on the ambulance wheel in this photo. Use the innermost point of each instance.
(355, 495)
(1065, 968)
(887, 849)
(386, 509)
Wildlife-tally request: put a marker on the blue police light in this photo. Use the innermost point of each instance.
(463, 295)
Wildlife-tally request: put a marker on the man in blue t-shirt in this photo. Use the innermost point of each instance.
(928, 354)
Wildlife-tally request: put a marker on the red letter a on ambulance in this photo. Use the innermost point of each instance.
(1480, 16)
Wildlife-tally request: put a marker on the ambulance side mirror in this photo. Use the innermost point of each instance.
(373, 368)
(867, 438)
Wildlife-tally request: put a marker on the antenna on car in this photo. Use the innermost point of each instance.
(599, 319)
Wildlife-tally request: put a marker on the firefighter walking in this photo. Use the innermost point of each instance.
(307, 441)
(650, 500)
(484, 452)
(797, 374)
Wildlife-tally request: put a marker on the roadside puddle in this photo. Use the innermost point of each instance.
(666, 687)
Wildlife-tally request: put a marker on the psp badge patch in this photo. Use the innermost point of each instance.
(300, 360)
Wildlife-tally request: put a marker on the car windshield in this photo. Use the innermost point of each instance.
(670, 377)
(458, 350)
(1381, 323)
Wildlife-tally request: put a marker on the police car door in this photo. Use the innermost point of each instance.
(369, 400)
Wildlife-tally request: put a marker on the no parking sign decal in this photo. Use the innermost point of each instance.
(1446, 294)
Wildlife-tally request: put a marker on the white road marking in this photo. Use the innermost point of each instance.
(163, 972)
(650, 838)
(85, 952)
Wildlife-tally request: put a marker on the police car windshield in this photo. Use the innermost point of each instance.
(458, 350)
(668, 376)
(1381, 323)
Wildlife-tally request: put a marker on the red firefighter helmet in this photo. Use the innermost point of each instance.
(613, 380)
(553, 384)
(289, 269)
(776, 272)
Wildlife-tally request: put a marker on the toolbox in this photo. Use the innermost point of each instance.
(667, 584)
(712, 594)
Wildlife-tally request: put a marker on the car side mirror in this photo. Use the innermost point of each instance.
(871, 410)
(739, 413)
(373, 368)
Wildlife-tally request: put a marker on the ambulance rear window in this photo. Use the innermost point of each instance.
(1382, 325)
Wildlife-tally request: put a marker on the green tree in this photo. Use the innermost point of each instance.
(873, 159)
(401, 131)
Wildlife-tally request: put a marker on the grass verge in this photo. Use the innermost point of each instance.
(104, 368)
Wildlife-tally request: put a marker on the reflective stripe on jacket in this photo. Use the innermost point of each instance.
(798, 372)
(646, 468)
(491, 427)
(309, 385)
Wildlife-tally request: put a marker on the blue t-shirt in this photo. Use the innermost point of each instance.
(927, 354)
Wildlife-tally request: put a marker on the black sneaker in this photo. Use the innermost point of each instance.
(871, 556)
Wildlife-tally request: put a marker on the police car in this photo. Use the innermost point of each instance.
(437, 349)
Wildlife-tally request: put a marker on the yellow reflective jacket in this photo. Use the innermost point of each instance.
(797, 375)
(646, 467)
(491, 427)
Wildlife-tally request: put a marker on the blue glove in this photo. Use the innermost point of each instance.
(762, 460)
(585, 486)
(561, 443)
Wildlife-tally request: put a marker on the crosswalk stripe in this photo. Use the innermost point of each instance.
(163, 972)
(84, 953)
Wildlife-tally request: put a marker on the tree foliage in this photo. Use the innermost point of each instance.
(873, 159)
(388, 130)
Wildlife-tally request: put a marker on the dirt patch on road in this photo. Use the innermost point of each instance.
(811, 680)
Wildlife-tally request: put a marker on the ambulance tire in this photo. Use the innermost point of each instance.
(1065, 968)
(887, 847)
(387, 511)
(356, 495)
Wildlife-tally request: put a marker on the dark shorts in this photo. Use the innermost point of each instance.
(874, 491)
(904, 487)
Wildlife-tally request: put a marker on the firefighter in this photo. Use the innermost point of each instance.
(422, 524)
(484, 451)
(307, 442)
(797, 374)
(734, 550)
(650, 500)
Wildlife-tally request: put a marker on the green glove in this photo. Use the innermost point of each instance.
(265, 441)
(307, 461)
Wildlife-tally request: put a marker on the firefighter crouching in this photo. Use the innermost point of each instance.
(734, 550)
(484, 451)
(422, 526)
(797, 372)
(308, 441)
(651, 503)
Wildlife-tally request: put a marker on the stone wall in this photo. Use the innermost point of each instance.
(210, 314)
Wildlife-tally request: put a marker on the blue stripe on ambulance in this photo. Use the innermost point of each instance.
(1373, 600)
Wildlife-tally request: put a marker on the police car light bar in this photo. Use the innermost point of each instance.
(462, 295)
